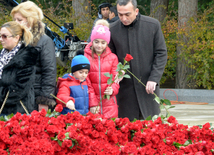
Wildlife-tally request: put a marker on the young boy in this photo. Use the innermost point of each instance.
(113, 15)
(72, 87)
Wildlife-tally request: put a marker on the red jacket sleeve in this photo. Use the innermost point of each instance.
(93, 101)
(64, 93)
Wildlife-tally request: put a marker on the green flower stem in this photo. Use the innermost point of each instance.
(167, 112)
(145, 86)
(57, 98)
(104, 95)
(60, 100)
(111, 85)
(137, 79)
(157, 99)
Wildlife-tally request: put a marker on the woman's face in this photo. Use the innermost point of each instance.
(20, 19)
(99, 45)
(7, 40)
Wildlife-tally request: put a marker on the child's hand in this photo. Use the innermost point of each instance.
(95, 110)
(70, 105)
(117, 80)
(108, 91)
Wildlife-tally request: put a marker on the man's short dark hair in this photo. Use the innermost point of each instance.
(125, 2)
(114, 9)
(103, 5)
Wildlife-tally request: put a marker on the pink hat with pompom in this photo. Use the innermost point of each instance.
(100, 32)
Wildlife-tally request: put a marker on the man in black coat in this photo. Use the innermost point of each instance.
(142, 37)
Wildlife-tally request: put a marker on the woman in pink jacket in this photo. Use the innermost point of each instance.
(102, 61)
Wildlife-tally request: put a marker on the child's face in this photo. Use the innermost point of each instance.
(99, 45)
(81, 74)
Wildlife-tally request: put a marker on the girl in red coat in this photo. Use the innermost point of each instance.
(102, 61)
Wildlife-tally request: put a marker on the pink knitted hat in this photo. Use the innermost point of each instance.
(100, 32)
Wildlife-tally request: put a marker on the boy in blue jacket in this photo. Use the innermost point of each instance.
(72, 87)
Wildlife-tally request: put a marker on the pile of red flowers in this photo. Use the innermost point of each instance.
(92, 134)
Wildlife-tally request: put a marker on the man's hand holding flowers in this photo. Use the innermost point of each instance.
(150, 87)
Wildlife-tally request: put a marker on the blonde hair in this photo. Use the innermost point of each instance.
(16, 29)
(30, 11)
(102, 22)
(34, 16)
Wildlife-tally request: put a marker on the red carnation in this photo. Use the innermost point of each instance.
(58, 108)
(172, 119)
(206, 126)
(128, 57)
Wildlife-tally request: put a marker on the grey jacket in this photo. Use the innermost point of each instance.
(143, 39)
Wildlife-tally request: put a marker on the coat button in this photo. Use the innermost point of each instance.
(13, 90)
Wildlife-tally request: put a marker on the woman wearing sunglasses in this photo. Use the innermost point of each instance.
(29, 14)
(17, 69)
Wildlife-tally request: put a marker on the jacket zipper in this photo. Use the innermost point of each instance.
(101, 111)
(84, 97)
(114, 100)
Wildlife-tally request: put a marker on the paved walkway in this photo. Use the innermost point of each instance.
(193, 114)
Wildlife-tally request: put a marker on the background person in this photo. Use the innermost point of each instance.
(102, 61)
(29, 14)
(103, 13)
(142, 37)
(113, 14)
(73, 89)
(17, 68)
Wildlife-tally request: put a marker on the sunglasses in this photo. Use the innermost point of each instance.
(3, 36)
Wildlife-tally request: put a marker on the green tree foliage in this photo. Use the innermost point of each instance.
(169, 28)
(144, 6)
(204, 4)
(5, 16)
(199, 50)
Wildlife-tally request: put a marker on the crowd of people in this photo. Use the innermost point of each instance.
(28, 64)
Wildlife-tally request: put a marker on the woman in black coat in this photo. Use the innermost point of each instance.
(17, 69)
